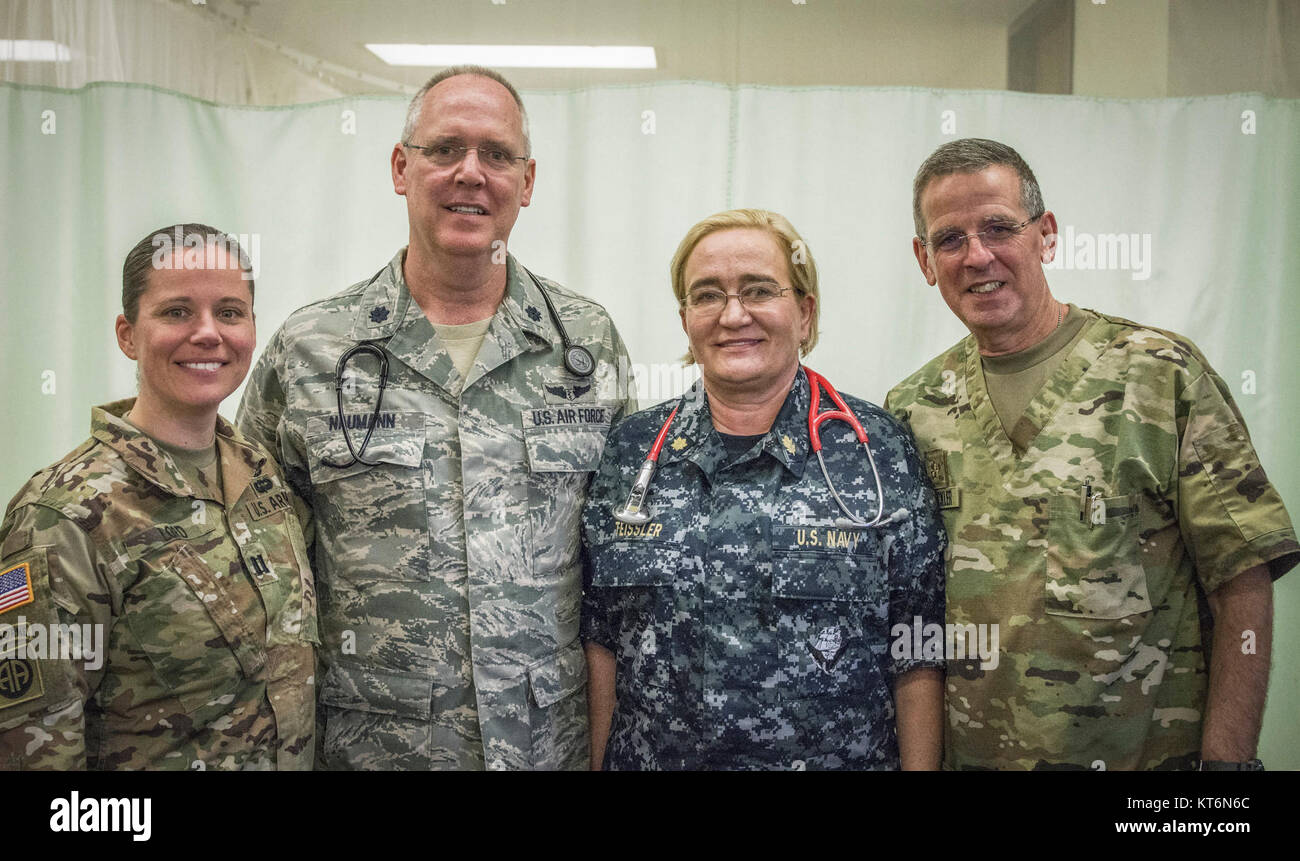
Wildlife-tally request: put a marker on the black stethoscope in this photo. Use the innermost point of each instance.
(577, 361)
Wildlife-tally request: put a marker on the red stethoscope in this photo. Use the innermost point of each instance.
(636, 513)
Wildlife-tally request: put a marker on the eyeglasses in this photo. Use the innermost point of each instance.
(995, 235)
(709, 301)
(450, 155)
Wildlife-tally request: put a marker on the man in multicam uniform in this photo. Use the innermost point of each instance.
(448, 570)
(747, 624)
(1101, 494)
(182, 566)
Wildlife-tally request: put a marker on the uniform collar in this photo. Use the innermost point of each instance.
(240, 460)
(1090, 343)
(387, 313)
(693, 437)
(385, 303)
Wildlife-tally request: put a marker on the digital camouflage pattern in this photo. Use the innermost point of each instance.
(208, 611)
(749, 620)
(449, 577)
(1104, 655)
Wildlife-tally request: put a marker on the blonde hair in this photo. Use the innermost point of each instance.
(799, 259)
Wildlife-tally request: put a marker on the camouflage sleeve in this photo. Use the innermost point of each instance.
(259, 419)
(916, 574)
(892, 406)
(43, 695)
(263, 402)
(627, 391)
(1230, 516)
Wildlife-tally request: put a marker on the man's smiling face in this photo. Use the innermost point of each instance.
(997, 292)
(462, 209)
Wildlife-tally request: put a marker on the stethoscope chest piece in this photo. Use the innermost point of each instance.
(578, 360)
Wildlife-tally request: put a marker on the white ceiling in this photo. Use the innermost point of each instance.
(928, 43)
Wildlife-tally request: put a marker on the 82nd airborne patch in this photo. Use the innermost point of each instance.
(20, 681)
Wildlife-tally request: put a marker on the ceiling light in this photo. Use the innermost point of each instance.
(520, 56)
(34, 51)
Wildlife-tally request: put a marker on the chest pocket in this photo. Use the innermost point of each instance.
(830, 596)
(563, 445)
(199, 627)
(373, 520)
(1094, 566)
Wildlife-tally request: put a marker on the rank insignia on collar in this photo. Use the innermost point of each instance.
(534, 314)
(787, 443)
(379, 315)
(679, 443)
(827, 646)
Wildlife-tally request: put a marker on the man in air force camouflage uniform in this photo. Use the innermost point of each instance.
(1103, 501)
(207, 611)
(447, 554)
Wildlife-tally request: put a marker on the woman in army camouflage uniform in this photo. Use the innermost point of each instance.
(156, 605)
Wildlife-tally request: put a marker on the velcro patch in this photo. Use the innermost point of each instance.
(936, 467)
(16, 587)
(562, 416)
(265, 506)
(20, 682)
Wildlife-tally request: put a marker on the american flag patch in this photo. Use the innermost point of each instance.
(15, 587)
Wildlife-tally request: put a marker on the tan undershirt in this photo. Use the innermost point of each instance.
(462, 342)
(1014, 379)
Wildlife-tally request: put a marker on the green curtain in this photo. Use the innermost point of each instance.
(1190, 208)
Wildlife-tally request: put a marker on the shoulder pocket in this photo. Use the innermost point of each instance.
(31, 682)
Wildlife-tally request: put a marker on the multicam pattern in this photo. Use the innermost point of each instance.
(1104, 653)
(449, 576)
(750, 622)
(208, 611)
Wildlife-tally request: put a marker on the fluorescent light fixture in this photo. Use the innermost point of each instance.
(34, 51)
(520, 56)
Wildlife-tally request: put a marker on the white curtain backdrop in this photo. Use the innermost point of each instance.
(1205, 190)
(162, 42)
